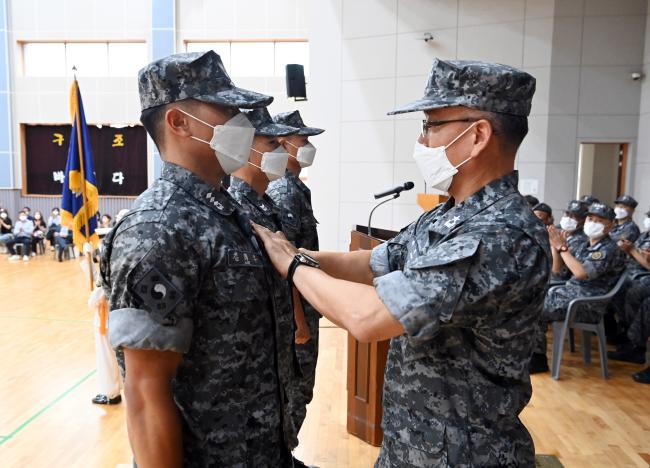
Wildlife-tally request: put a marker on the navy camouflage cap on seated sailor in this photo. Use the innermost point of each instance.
(196, 75)
(264, 124)
(578, 208)
(484, 86)
(589, 199)
(293, 119)
(543, 207)
(626, 200)
(602, 210)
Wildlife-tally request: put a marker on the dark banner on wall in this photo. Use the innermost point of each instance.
(120, 157)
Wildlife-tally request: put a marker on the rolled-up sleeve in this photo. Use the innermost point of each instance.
(155, 278)
(426, 294)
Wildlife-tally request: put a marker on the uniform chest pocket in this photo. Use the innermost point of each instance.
(446, 253)
(241, 278)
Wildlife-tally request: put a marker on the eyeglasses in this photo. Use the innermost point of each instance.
(427, 124)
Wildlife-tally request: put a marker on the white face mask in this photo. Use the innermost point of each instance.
(306, 154)
(621, 213)
(3, 215)
(646, 224)
(22, 217)
(231, 141)
(434, 165)
(274, 163)
(568, 224)
(594, 230)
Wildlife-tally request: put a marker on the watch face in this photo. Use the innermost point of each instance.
(308, 260)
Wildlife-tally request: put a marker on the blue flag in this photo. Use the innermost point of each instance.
(80, 197)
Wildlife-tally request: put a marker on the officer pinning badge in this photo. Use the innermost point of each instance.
(245, 259)
(158, 294)
(597, 255)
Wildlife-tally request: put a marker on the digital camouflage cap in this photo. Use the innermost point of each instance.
(293, 119)
(196, 75)
(264, 124)
(627, 201)
(485, 86)
(576, 207)
(602, 210)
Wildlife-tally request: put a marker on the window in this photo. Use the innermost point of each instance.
(256, 58)
(50, 59)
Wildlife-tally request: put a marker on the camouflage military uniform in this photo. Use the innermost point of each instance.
(604, 264)
(293, 198)
(263, 211)
(467, 283)
(639, 330)
(575, 241)
(183, 274)
(628, 231)
(619, 303)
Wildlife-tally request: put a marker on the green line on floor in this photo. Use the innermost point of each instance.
(47, 407)
(44, 318)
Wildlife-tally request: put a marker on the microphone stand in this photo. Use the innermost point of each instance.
(377, 206)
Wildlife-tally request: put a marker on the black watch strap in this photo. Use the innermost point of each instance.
(295, 263)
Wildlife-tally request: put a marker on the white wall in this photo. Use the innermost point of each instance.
(580, 51)
(383, 63)
(214, 20)
(641, 166)
(596, 45)
(46, 100)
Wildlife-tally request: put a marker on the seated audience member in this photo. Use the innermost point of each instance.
(639, 333)
(544, 213)
(631, 346)
(62, 238)
(634, 266)
(53, 225)
(28, 211)
(572, 232)
(23, 229)
(595, 269)
(625, 228)
(40, 229)
(105, 221)
(6, 228)
(531, 200)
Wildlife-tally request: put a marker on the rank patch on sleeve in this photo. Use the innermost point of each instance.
(158, 294)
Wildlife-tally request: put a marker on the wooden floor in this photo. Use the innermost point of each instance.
(48, 379)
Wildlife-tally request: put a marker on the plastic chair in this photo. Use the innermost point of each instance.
(560, 330)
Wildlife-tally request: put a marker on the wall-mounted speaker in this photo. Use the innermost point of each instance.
(296, 82)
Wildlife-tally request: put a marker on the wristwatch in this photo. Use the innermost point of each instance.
(301, 258)
(563, 248)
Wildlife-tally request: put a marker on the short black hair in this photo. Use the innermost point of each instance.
(531, 200)
(513, 128)
(153, 119)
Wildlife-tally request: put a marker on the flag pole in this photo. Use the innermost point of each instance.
(88, 255)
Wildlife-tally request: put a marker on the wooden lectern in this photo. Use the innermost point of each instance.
(366, 362)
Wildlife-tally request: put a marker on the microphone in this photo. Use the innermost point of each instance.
(395, 194)
(395, 191)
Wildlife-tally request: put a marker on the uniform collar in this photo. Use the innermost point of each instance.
(600, 244)
(297, 182)
(455, 215)
(263, 203)
(214, 197)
